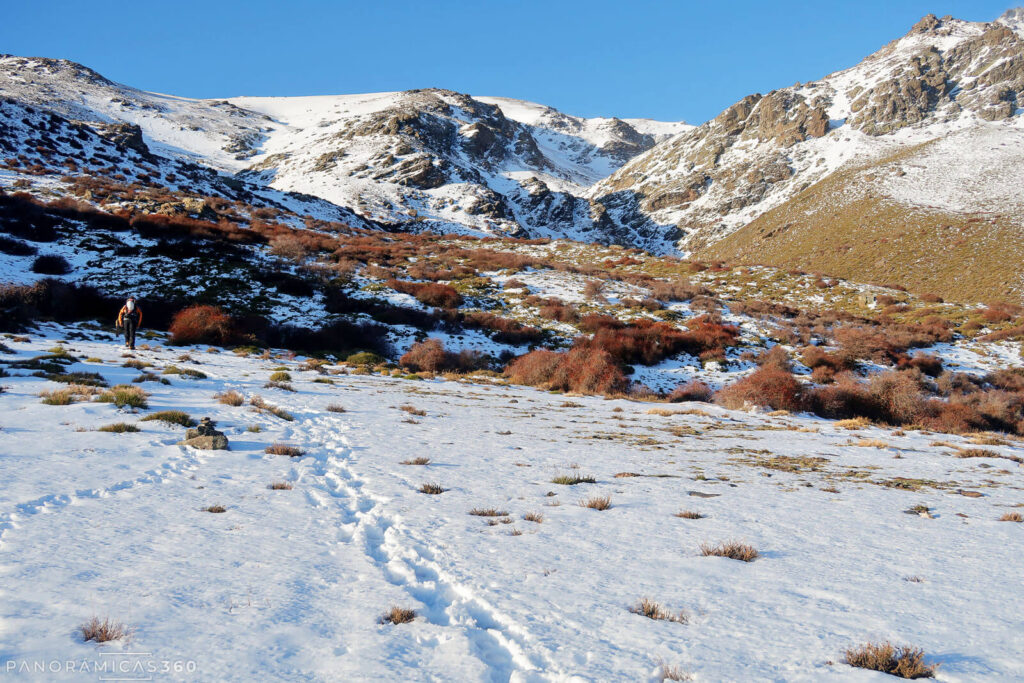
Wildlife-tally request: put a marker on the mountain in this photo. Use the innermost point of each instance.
(861, 174)
(422, 159)
(927, 129)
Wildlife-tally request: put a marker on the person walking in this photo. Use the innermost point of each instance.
(130, 317)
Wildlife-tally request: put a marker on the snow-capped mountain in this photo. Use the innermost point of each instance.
(420, 159)
(945, 97)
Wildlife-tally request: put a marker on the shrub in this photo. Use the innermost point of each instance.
(336, 408)
(904, 662)
(734, 550)
(534, 517)
(216, 509)
(279, 385)
(505, 330)
(412, 410)
(926, 363)
(428, 293)
(15, 247)
(119, 428)
(279, 486)
(262, 406)
(89, 379)
(597, 502)
(230, 398)
(694, 390)
(123, 395)
(284, 449)
(689, 514)
(429, 356)
(652, 610)
(103, 631)
(897, 396)
(280, 376)
(432, 489)
(171, 417)
(58, 397)
(364, 358)
(201, 325)
(397, 615)
(1011, 517)
(51, 264)
(766, 386)
(582, 369)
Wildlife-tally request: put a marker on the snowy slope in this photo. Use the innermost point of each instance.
(291, 582)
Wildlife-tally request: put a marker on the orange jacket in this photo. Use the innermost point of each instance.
(124, 311)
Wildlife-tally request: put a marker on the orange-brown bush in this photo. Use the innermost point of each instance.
(694, 390)
(506, 330)
(766, 386)
(677, 290)
(430, 355)
(201, 325)
(428, 293)
(581, 369)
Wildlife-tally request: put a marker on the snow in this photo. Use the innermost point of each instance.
(291, 583)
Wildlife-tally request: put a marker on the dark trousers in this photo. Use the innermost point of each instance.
(129, 331)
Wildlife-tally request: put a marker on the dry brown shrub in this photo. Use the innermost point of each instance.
(397, 615)
(284, 449)
(734, 550)
(103, 631)
(597, 502)
(904, 662)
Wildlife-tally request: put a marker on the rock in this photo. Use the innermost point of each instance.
(125, 136)
(205, 437)
(207, 443)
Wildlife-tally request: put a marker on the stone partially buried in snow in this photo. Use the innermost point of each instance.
(205, 437)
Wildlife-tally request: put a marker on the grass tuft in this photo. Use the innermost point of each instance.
(215, 508)
(412, 410)
(284, 449)
(397, 615)
(103, 631)
(904, 662)
(280, 486)
(432, 489)
(734, 550)
(421, 460)
(597, 502)
(652, 610)
(488, 512)
(125, 395)
(230, 398)
(335, 408)
(119, 428)
(171, 417)
(689, 514)
(573, 479)
(1011, 517)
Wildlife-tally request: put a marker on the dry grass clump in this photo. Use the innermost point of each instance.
(853, 423)
(215, 509)
(280, 376)
(185, 372)
(674, 673)
(103, 631)
(123, 395)
(432, 489)
(284, 449)
(534, 517)
(1011, 517)
(261, 406)
(663, 412)
(689, 514)
(230, 398)
(871, 443)
(285, 386)
(58, 397)
(136, 364)
(336, 408)
(976, 453)
(734, 550)
(412, 410)
(904, 662)
(119, 428)
(171, 417)
(421, 460)
(573, 479)
(652, 610)
(597, 502)
(397, 615)
(488, 512)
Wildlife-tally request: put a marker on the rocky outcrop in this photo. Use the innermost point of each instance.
(125, 136)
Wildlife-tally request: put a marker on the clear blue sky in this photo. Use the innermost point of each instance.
(631, 58)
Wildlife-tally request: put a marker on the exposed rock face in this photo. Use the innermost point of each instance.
(125, 136)
(205, 437)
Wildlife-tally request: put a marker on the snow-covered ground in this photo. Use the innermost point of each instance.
(289, 584)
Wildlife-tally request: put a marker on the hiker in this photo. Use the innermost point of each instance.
(131, 317)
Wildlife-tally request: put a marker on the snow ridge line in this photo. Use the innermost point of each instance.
(500, 643)
(9, 520)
